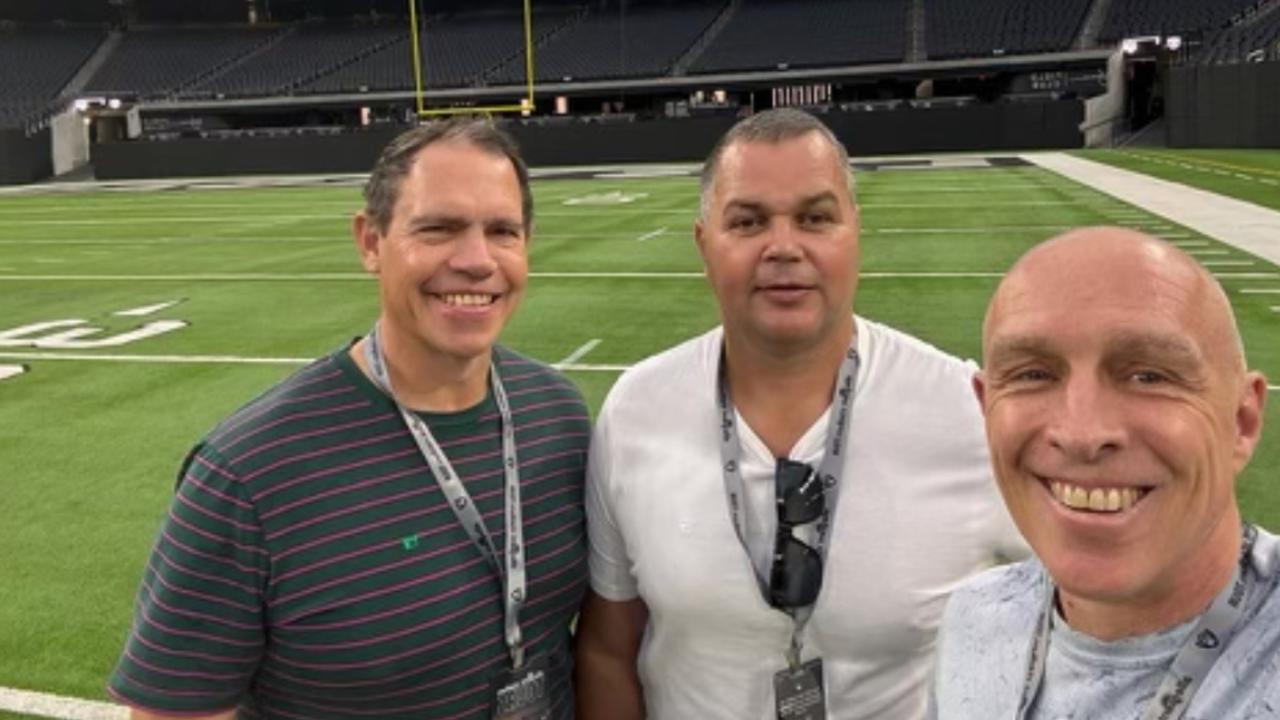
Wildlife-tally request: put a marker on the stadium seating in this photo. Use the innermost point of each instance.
(1130, 18)
(458, 50)
(619, 40)
(1259, 40)
(300, 56)
(982, 28)
(35, 64)
(767, 35)
(156, 62)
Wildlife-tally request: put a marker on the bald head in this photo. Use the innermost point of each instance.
(1108, 265)
(1118, 414)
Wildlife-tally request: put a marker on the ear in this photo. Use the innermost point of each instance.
(365, 233)
(979, 382)
(1253, 397)
(700, 238)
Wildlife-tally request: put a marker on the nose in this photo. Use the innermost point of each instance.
(783, 242)
(471, 254)
(1087, 424)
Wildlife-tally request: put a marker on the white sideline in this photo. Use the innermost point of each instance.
(29, 702)
(1243, 225)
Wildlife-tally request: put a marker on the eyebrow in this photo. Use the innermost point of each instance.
(804, 203)
(437, 219)
(1170, 349)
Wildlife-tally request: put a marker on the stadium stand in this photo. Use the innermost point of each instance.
(978, 28)
(619, 40)
(1129, 18)
(1255, 40)
(768, 35)
(458, 50)
(310, 51)
(35, 64)
(157, 62)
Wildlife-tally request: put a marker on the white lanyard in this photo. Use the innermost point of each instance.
(831, 470)
(460, 500)
(1190, 667)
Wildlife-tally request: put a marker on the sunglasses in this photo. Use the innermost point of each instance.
(796, 575)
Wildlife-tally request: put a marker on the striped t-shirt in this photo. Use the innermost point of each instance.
(310, 566)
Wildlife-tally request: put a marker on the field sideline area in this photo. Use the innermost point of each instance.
(132, 321)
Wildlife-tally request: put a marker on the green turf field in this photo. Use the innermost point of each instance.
(1252, 175)
(264, 278)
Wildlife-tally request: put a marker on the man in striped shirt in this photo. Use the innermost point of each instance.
(396, 530)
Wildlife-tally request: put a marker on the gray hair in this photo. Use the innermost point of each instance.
(383, 188)
(770, 126)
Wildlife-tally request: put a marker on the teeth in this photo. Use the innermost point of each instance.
(1107, 500)
(467, 299)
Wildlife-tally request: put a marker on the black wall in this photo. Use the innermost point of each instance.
(1224, 105)
(1009, 126)
(24, 159)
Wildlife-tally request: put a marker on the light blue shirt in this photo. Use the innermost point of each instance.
(990, 625)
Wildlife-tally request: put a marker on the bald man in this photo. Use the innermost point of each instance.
(1119, 412)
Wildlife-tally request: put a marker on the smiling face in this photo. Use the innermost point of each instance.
(1118, 414)
(451, 263)
(779, 242)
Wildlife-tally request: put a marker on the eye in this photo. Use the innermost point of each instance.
(1149, 377)
(816, 219)
(745, 223)
(506, 234)
(1027, 375)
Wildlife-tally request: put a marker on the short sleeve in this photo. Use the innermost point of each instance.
(611, 576)
(198, 634)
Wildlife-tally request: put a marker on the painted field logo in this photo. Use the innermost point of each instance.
(11, 371)
(80, 335)
(617, 197)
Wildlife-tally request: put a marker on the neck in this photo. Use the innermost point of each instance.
(1189, 594)
(426, 380)
(781, 392)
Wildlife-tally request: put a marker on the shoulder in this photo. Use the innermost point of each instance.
(313, 395)
(522, 375)
(1002, 603)
(893, 353)
(994, 590)
(673, 373)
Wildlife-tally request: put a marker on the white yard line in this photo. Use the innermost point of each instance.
(1225, 263)
(227, 360)
(158, 359)
(1201, 253)
(1260, 291)
(348, 277)
(652, 234)
(1243, 225)
(146, 309)
(144, 219)
(577, 355)
(230, 360)
(28, 702)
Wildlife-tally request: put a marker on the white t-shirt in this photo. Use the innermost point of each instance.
(917, 512)
(991, 623)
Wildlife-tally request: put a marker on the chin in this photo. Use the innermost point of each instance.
(1097, 577)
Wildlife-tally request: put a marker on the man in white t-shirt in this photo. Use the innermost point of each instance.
(779, 508)
(1120, 412)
